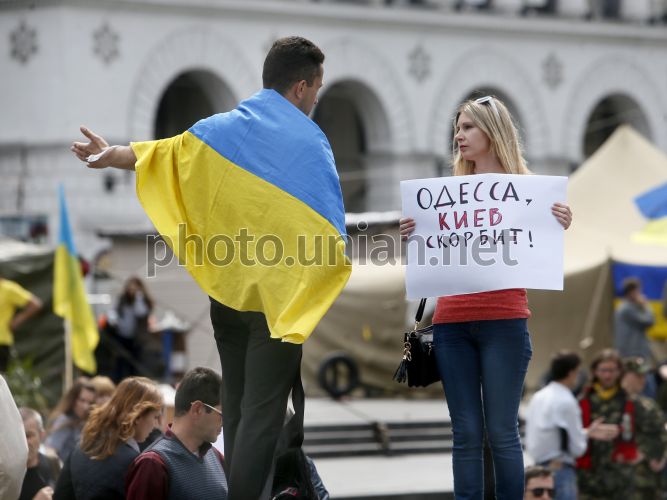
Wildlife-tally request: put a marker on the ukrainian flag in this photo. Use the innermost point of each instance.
(653, 205)
(654, 284)
(250, 203)
(69, 297)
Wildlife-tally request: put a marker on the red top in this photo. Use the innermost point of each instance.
(148, 476)
(498, 304)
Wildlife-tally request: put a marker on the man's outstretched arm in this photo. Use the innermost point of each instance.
(98, 154)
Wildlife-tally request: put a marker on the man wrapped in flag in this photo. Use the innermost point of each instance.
(250, 203)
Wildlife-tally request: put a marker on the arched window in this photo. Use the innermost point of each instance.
(189, 97)
(609, 113)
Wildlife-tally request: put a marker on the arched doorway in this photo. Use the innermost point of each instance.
(353, 119)
(189, 97)
(609, 113)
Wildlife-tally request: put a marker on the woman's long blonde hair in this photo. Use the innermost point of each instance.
(113, 423)
(493, 118)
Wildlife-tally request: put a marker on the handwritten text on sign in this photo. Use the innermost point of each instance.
(484, 232)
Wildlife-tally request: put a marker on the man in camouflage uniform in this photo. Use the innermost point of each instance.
(605, 471)
(650, 431)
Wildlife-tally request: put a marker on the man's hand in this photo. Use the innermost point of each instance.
(95, 146)
(33, 307)
(98, 154)
(14, 324)
(45, 493)
(602, 432)
(641, 300)
(657, 465)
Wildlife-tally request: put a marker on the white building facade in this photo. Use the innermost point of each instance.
(395, 72)
(394, 75)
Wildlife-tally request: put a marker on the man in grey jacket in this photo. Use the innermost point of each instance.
(631, 320)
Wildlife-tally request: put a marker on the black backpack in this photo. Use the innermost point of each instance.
(292, 477)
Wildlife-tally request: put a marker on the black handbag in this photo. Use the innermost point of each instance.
(418, 365)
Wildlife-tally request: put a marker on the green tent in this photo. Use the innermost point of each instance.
(39, 343)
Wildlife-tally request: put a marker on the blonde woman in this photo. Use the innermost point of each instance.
(104, 388)
(110, 442)
(481, 340)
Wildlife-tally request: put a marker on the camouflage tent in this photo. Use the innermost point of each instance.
(39, 343)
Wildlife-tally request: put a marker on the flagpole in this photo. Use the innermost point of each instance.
(68, 357)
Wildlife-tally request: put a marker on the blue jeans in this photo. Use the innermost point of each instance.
(482, 365)
(565, 482)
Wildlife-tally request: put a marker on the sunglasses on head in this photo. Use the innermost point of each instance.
(538, 492)
(489, 99)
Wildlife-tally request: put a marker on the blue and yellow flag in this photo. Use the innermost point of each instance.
(69, 297)
(250, 203)
(654, 285)
(653, 205)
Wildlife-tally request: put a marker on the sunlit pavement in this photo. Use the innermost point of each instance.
(358, 472)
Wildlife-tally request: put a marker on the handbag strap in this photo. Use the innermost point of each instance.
(420, 312)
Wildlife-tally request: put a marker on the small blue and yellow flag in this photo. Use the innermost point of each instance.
(653, 205)
(69, 296)
(250, 203)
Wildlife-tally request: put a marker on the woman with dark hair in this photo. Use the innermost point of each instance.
(110, 442)
(68, 417)
(129, 320)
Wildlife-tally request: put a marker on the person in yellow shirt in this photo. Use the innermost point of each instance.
(12, 297)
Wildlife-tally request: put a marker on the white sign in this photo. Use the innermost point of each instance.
(476, 233)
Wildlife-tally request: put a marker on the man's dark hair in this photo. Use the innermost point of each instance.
(563, 363)
(290, 60)
(199, 384)
(629, 285)
(536, 471)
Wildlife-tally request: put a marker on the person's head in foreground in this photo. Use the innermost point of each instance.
(294, 68)
(539, 483)
(131, 413)
(565, 368)
(607, 369)
(484, 134)
(634, 375)
(197, 404)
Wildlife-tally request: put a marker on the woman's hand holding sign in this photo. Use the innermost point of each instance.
(563, 213)
(407, 226)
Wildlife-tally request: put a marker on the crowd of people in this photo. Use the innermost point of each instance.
(606, 439)
(117, 445)
(98, 446)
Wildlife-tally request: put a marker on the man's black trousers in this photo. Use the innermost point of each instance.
(257, 375)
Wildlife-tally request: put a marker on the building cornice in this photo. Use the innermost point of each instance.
(423, 20)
